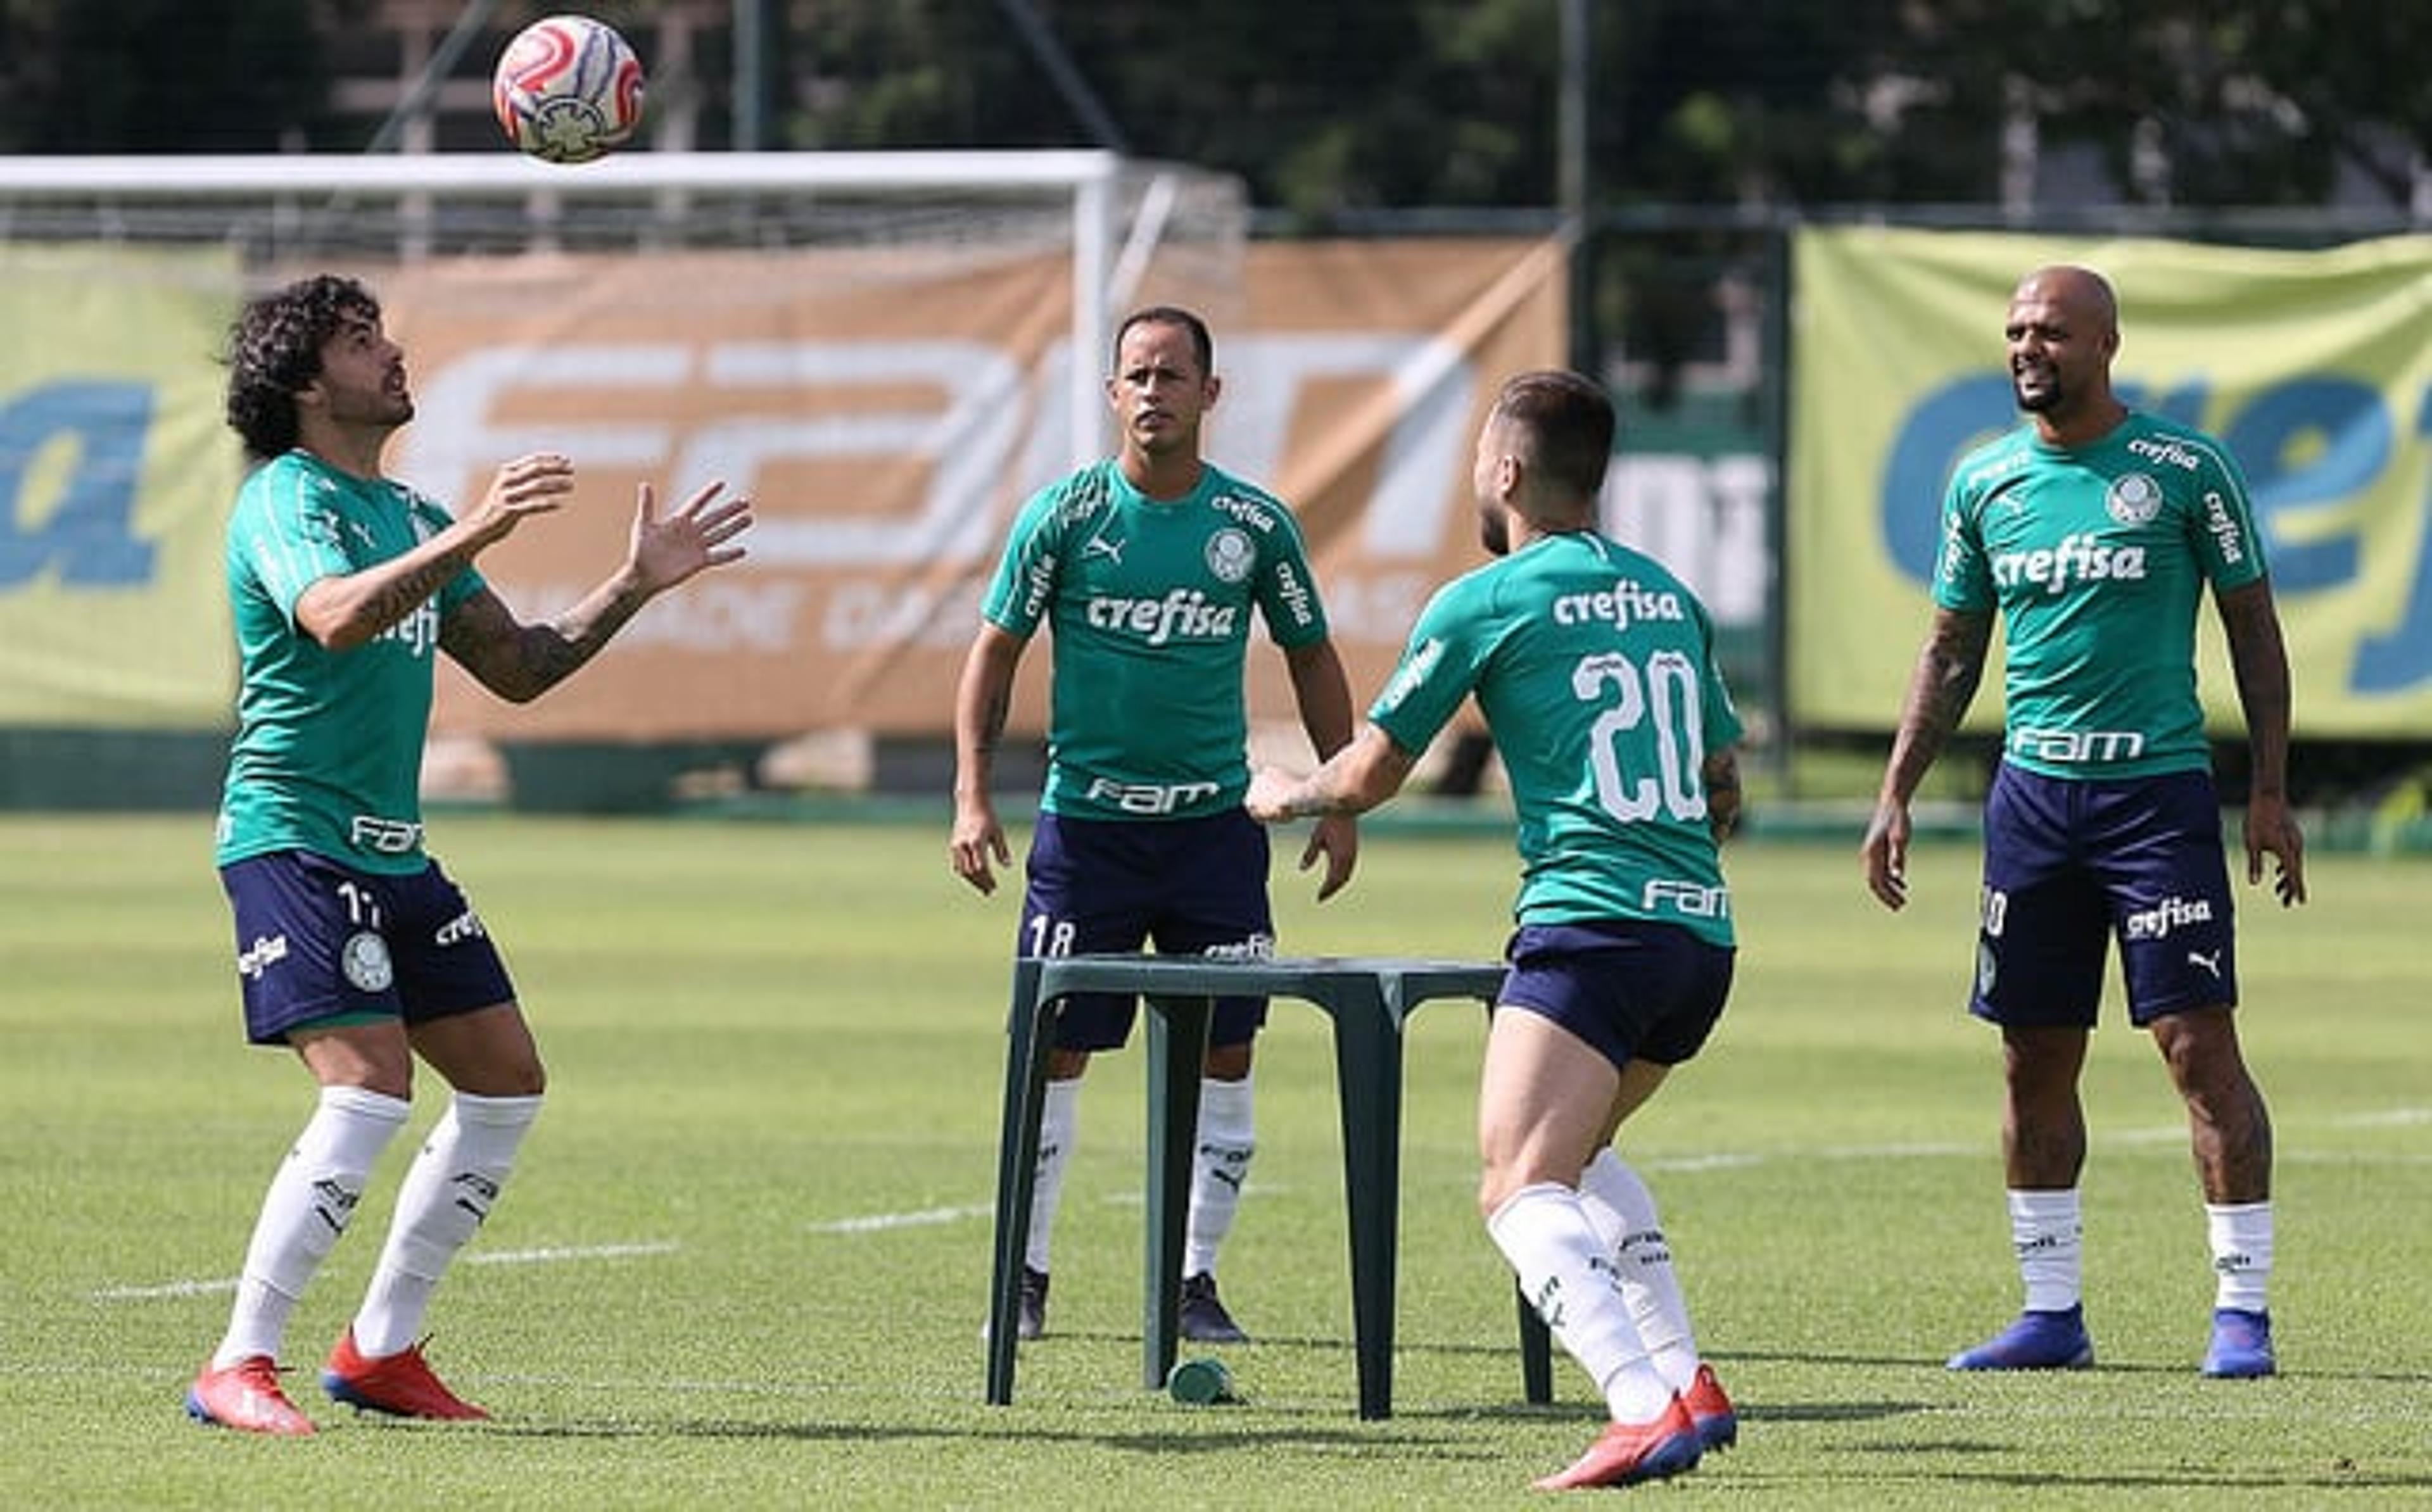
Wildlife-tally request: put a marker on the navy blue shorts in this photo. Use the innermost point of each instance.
(2070, 866)
(1633, 988)
(1187, 886)
(315, 939)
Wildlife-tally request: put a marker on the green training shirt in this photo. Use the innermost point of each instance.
(2096, 557)
(1149, 605)
(328, 756)
(1594, 668)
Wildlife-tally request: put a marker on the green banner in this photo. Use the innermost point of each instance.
(115, 475)
(2314, 368)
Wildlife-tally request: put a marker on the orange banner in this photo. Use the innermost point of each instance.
(888, 411)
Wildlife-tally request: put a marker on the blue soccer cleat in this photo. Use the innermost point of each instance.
(2242, 1345)
(2038, 1341)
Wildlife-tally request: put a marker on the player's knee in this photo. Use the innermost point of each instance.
(2200, 1047)
(1508, 1172)
(515, 1069)
(520, 1079)
(1494, 1190)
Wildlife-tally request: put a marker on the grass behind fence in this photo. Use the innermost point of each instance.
(744, 1258)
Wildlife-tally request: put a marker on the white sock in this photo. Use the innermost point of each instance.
(447, 1193)
(2049, 1235)
(1623, 1211)
(311, 1198)
(1058, 1119)
(2241, 1254)
(1219, 1165)
(1570, 1277)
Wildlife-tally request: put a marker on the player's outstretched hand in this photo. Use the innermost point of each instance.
(534, 484)
(699, 534)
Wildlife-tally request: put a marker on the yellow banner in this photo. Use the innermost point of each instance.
(887, 414)
(115, 473)
(2314, 368)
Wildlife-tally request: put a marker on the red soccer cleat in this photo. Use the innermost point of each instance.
(401, 1385)
(1717, 1421)
(1632, 1451)
(246, 1397)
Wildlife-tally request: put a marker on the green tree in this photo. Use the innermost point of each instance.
(160, 76)
(1345, 107)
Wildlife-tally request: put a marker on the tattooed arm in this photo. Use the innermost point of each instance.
(1721, 776)
(342, 613)
(1948, 672)
(520, 662)
(1352, 781)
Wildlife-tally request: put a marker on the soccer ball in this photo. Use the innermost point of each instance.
(567, 90)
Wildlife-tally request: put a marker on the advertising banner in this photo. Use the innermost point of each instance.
(115, 473)
(886, 409)
(2314, 368)
(887, 414)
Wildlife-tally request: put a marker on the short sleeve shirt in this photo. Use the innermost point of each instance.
(328, 756)
(1149, 604)
(2096, 557)
(1594, 669)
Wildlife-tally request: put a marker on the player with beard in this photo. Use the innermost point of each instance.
(2093, 532)
(1594, 668)
(355, 951)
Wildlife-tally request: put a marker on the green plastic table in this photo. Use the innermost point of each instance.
(1368, 1000)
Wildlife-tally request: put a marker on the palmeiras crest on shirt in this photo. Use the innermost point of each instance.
(1230, 556)
(2134, 498)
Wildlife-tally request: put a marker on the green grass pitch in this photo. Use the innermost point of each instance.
(744, 1259)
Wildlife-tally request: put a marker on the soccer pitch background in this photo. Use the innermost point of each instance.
(744, 1257)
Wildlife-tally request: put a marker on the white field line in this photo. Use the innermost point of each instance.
(931, 1216)
(2388, 1118)
(167, 1288)
(924, 1218)
(546, 1255)
(2383, 1119)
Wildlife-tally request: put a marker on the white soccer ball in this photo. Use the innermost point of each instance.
(567, 88)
